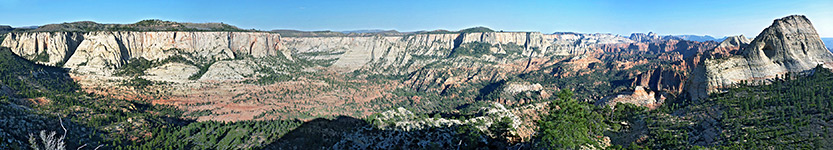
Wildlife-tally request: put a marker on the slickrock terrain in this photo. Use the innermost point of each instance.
(111, 49)
(790, 44)
(47, 48)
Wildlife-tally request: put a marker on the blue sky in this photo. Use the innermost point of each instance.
(701, 17)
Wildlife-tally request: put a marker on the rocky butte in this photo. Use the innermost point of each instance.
(790, 44)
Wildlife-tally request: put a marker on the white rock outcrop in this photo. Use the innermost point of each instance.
(103, 51)
(171, 72)
(790, 44)
(57, 46)
(111, 49)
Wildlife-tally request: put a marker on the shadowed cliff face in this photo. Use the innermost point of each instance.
(790, 44)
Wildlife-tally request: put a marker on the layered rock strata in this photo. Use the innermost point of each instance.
(98, 52)
(90, 52)
(790, 44)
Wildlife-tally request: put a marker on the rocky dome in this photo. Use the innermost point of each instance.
(791, 41)
(790, 44)
(735, 41)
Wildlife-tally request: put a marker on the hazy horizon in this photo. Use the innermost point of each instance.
(713, 18)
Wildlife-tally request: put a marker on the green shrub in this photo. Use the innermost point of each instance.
(573, 125)
(42, 57)
(134, 67)
(203, 68)
(475, 49)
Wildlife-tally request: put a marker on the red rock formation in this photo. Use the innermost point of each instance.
(668, 79)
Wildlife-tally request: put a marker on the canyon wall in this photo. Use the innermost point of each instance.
(52, 47)
(114, 48)
(790, 44)
(92, 51)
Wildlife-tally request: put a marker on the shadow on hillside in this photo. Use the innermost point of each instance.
(33, 76)
(345, 132)
(319, 133)
(35, 97)
(20, 80)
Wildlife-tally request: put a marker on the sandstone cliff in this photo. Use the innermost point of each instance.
(642, 37)
(670, 80)
(53, 48)
(790, 44)
(393, 54)
(90, 52)
(109, 49)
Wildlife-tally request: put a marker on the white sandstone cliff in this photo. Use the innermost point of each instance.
(790, 44)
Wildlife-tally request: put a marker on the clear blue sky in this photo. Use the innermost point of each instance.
(701, 17)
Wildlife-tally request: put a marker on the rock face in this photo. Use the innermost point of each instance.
(392, 52)
(230, 70)
(790, 44)
(171, 72)
(642, 37)
(54, 48)
(579, 44)
(791, 41)
(90, 52)
(661, 79)
(639, 97)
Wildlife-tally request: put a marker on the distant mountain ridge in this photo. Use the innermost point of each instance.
(328, 33)
(3, 30)
(144, 25)
(368, 31)
(698, 38)
(651, 36)
(162, 25)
